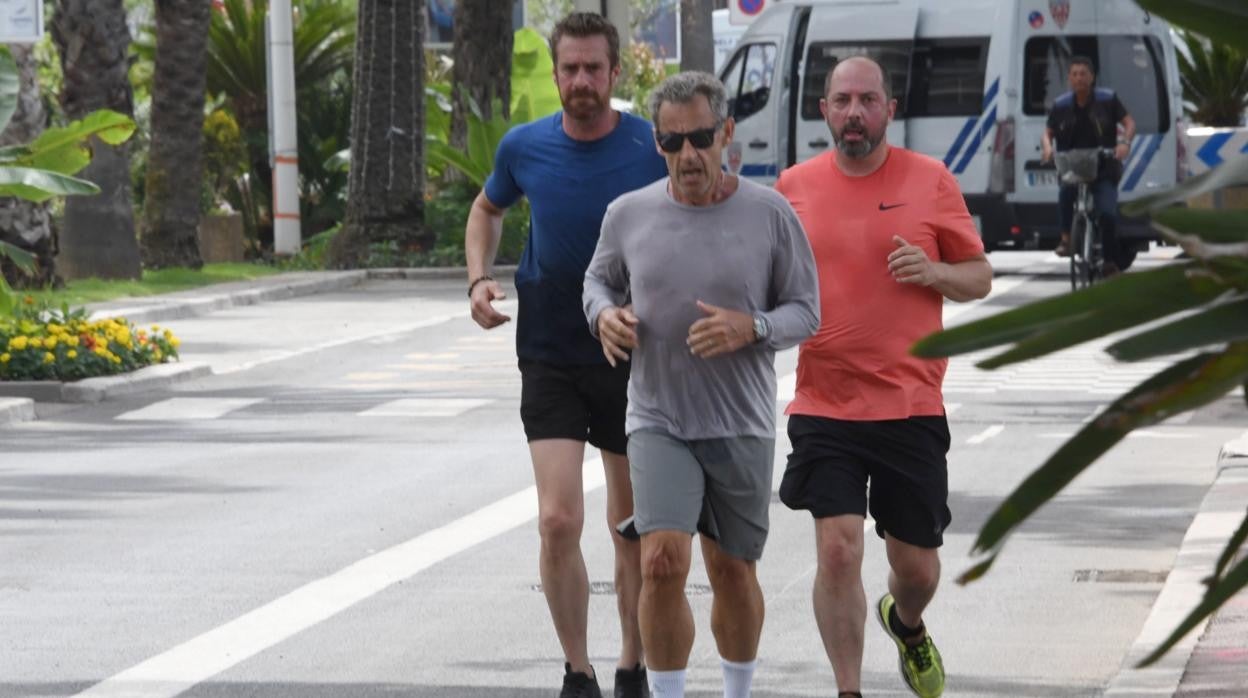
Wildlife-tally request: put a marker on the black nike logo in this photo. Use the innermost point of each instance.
(886, 208)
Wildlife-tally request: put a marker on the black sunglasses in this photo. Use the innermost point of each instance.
(673, 142)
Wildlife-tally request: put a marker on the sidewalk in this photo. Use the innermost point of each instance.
(1212, 660)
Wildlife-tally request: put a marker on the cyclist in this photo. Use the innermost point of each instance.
(1088, 117)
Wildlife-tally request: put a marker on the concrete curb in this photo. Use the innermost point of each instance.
(1220, 514)
(16, 409)
(160, 376)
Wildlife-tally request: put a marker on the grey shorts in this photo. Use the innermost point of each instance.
(720, 488)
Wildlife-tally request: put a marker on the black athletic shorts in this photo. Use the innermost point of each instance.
(583, 403)
(902, 461)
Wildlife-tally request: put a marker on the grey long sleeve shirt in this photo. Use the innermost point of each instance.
(746, 253)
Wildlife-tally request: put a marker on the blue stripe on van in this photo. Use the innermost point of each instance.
(957, 142)
(1208, 152)
(969, 128)
(988, 123)
(767, 170)
(1137, 147)
(1154, 144)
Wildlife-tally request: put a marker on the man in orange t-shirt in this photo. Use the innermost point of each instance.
(892, 239)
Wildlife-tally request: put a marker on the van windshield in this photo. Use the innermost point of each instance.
(1130, 65)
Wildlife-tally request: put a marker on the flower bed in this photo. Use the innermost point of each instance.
(38, 343)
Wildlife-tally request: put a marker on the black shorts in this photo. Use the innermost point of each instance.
(583, 403)
(904, 460)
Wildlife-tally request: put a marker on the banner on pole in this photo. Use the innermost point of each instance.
(21, 21)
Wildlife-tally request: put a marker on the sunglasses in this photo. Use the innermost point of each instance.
(673, 142)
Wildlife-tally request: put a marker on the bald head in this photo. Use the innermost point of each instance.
(860, 67)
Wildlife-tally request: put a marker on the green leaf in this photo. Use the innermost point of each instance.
(12, 153)
(21, 258)
(8, 299)
(1223, 323)
(1217, 226)
(441, 152)
(533, 90)
(1228, 554)
(1219, 594)
(40, 185)
(1230, 173)
(65, 150)
(1184, 386)
(10, 86)
(1063, 321)
(1224, 21)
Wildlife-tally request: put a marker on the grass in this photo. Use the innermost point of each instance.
(153, 283)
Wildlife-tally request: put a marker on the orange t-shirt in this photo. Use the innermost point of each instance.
(858, 365)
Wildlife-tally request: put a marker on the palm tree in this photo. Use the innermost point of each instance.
(385, 203)
(171, 210)
(697, 42)
(26, 224)
(1215, 81)
(98, 237)
(482, 63)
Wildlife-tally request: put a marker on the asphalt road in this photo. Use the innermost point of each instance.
(345, 509)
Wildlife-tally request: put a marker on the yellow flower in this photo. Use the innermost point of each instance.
(4, 358)
(116, 359)
(19, 342)
(50, 342)
(175, 342)
(71, 341)
(72, 354)
(49, 357)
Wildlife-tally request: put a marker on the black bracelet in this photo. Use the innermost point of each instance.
(479, 279)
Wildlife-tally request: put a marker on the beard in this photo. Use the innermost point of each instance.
(584, 105)
(857, 149)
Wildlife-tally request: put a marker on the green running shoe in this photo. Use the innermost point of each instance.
(920, 665)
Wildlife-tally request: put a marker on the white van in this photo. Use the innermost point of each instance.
(974, 80)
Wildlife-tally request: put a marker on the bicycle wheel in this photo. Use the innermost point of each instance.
(1081, 245)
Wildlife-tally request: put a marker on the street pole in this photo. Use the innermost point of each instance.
(283, 143)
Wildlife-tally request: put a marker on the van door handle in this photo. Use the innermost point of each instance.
(818, 143)
(758, 144)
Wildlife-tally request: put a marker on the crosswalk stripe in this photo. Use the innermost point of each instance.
(187, 409)
(425, 407)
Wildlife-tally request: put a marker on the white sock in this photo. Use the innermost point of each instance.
(668, 684)
(737, 678)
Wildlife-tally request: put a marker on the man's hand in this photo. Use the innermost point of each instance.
(617, 330)
(909, 264)
(722, 331)
(1121, 150)
(483, 296)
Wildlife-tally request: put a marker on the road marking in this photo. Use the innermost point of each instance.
(424, 407)
(786, 387)
(195, 661)
(371, 376)
(951, 407)
(986, 434)
(187, 409)
(1000, 287)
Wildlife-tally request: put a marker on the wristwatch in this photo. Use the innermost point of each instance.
(762, 328)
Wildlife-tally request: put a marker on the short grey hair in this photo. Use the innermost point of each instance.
(682, 88)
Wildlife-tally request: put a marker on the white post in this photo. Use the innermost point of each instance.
(283, 146)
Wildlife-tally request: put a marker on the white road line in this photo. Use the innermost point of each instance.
(187, 409)
(424, 407)
(195, 661)
(786, 387)
(1000, 286)
(986, 434)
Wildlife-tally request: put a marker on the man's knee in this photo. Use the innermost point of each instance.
(839, 551)
(560, 527)
(730, 574)
(663, 559)
(918, 568)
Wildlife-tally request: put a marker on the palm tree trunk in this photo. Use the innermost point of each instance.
(27, 224)
(385, 200)
(482, 69)
(697, 41)
(93, 41)
(171, 212)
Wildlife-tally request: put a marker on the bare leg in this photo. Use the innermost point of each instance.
(627, 558)
(913, 580)
(839, 598)
(664, 614)
(557, 467)
(737, 608)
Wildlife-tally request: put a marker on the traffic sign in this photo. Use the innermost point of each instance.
(745, 11)
(21, 21)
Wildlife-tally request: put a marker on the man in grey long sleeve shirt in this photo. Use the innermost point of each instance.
(702, 276)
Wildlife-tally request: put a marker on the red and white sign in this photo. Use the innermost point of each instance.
(745, 11)
(1060, 10)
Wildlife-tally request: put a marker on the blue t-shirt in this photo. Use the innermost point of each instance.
(569, 184)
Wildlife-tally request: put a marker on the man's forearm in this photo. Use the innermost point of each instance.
(964, 281)
(481, 237)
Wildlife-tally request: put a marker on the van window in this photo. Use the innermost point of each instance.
(947, 77)
(1131, 65)
(822, 57)
(748, 79)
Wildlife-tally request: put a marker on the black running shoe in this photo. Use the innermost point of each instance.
(631, 683)
(578, 685)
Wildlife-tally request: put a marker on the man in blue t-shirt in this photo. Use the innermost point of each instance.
(570, 166)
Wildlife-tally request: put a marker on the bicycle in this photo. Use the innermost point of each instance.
(1080, 166)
